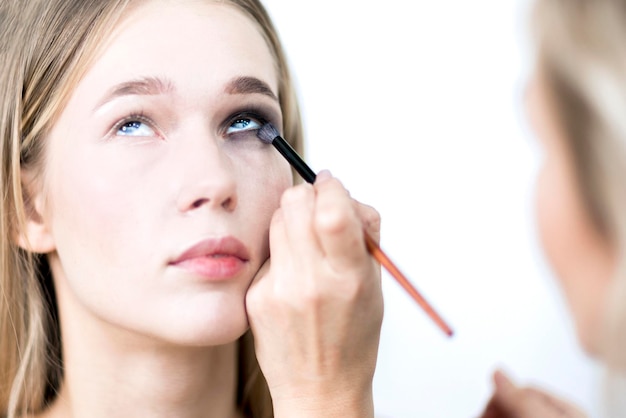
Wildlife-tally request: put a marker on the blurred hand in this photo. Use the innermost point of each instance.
(316, 307)
(511, 401)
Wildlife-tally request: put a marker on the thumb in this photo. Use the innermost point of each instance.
(503, 383)
(518, 402)
(507, 394)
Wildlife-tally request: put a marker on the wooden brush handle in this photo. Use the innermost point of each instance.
(382, 258)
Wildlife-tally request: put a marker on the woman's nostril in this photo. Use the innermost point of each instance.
(229, 203)
(198, 203)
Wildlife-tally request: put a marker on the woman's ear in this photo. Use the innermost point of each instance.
(35, 235)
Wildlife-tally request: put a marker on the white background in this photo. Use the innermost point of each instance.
(418, 107)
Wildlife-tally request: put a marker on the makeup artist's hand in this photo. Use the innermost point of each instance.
(316, 307)
(511, 401)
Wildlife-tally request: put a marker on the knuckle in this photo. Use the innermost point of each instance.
(331, 183)
(333, 220)
(353, 289)
(305, 296)
(311, 299)
(371, 217)
(356, 285)
(308, 298)
(296, 194)
(277, 218)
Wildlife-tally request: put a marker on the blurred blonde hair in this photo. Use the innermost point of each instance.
(45, 48)
(582, 58)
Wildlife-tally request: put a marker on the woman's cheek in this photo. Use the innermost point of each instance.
(265, 178)
(547, 222)
(578, 255)
(263, 167)
(93, 201)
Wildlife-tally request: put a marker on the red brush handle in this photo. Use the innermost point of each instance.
(382, 258)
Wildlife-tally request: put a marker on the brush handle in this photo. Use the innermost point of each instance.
(309, 176)
(294, 159)
(386, 262)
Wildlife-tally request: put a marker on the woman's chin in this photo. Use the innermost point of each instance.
(203, 332)
(193, 326)
(589, 340)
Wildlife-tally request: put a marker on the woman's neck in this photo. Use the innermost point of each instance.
(113, 373)
(199, 383)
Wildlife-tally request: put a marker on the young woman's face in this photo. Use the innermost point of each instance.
(580, 257)
(159, 195)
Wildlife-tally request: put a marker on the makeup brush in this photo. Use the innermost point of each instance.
(270, 135)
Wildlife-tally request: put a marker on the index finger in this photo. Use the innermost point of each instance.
(338, 225)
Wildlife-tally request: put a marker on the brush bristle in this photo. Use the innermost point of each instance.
(267, 133)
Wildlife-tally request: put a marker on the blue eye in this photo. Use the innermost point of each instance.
(135, 128)
(243, 124)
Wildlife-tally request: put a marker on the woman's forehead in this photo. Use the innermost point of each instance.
(195, 44)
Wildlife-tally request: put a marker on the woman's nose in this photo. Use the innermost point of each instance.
(209, 177)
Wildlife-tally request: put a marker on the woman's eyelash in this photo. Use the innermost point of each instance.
(134, 125)
(244, 124)
(247, 114)
(133, 117)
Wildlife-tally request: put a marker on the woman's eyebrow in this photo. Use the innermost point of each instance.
(152, 86)
(146, 86)
(249, 85)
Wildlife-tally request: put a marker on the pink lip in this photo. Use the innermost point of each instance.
(214, 259)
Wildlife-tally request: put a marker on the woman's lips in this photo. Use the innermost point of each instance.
(214, 259)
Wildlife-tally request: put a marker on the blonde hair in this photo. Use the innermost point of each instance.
(45, 48)
(583, 62)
